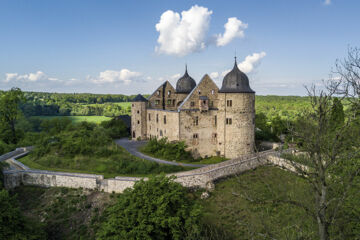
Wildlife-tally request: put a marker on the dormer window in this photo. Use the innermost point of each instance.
(212, 91)
(158, 92)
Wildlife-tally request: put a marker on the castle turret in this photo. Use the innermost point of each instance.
(236, 127)
(138, 118)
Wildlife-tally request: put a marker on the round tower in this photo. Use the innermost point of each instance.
(236, 129)
(138, 118)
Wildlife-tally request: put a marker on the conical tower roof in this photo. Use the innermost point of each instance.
(236, 82)
(185, 84)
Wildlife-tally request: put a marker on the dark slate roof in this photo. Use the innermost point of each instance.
(236, 82)
(185, 84)
(203, 98)
(139, 98)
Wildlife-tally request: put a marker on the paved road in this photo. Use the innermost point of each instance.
(132, 147)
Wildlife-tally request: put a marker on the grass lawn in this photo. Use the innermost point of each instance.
(118, 163)
(255, 205)
(77, 119)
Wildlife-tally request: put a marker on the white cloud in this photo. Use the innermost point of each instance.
(234, 28)
(10, 77)
(30, 77)
(251, 62)
(123, 76)
(214, 75)
(183, 35)
(327, 2)
(175, 76)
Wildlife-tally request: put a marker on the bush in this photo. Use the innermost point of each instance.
(155, 209)
(13, 225)
(115, 128)
(167, 150)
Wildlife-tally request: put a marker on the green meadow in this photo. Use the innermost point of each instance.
(77, 119)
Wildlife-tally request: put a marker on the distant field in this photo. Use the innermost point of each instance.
(77, 119)
(123, 105)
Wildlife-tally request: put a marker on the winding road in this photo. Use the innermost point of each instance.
(133, 146)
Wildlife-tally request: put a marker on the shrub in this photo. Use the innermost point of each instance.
(155, 209)
(162, 148)
(115, 128)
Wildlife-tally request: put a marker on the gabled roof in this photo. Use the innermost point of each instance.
(139, 98)
(191, 93)
(162, 85)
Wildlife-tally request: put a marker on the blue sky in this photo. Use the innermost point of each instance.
(115, 46)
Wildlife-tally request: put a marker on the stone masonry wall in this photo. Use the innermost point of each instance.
(201, 177)
(159, 128)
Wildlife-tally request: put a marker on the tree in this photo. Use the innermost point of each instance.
(10, 111)
(155, 209)
(331, 161)
(337, 115)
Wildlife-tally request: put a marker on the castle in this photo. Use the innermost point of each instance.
(210, 120)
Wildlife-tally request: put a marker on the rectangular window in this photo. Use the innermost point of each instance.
(157, 102)
(215, 120)
(169, 93)
(157, 118)
(192, 104)
(149, 117)
(173, 102)
(195, 136)
(164, 119)
(169, 102)
(229, 103)
(214, 138)
(228, 121)
(211, 104)
(158, 92)
(196, 121)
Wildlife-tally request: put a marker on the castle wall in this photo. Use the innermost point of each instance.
(180, 97)
(201, 177)
(205, 143)
(138, 120)
(159, 128)
(238, 137)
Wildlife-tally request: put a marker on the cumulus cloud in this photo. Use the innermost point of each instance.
(181, 35)
(327, 2)
(249, 64)
(234, 28)
(110, 76)
(29, 77)
(175, 76)
(214, 75)
(251, 61)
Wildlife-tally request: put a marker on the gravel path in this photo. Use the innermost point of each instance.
(132, 147)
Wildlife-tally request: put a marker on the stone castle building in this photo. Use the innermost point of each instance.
(210, 120)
